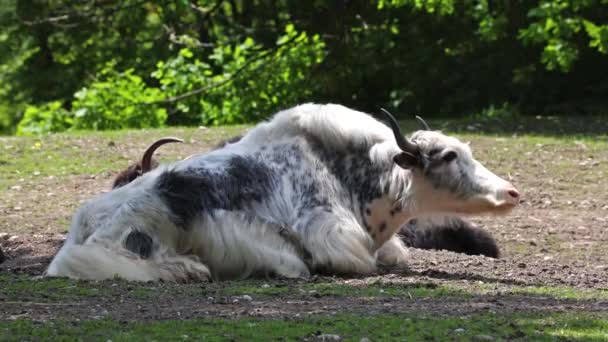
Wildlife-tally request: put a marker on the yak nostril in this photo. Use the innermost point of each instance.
(513, 193)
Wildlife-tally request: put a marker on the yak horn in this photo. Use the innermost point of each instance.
(402, 142)
(423, 123)
(146, 160)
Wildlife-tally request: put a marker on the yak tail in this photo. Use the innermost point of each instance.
(97, 262)
(452, 234)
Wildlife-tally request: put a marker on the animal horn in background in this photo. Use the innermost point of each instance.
(423, 123)
(402, 142)
(146, 160)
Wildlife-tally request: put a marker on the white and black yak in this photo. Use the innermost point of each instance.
(316, 188)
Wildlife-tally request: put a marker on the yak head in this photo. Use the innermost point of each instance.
(447, 177)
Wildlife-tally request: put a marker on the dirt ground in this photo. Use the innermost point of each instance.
(557, 237)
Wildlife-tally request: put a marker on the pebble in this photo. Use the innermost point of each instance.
(246, 298)
(483, 338)
(459, 330)
(328, 337)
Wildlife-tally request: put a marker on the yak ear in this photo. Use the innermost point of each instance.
(405, 160)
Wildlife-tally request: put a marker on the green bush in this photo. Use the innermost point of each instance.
(181, 74)
(238, 61)
(118, 100)
(49, 117)
(274, 79)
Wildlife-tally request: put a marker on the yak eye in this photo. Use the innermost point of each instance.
(434, 152)
(449, 156)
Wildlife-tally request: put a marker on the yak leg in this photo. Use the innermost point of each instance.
(183, 268)
(393, 252)
(337, 244)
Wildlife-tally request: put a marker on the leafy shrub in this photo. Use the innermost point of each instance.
(118, 100)
(49, 117)
(559, 25)
(181, 74)
(245, 82)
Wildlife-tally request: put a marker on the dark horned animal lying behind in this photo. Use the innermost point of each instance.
(453, 234)
(146, 163)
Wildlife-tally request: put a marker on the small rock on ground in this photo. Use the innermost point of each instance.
(328, 337)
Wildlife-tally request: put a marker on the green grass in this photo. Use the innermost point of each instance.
(85, 153)
(561, 292)
(249, 287)
(380, 327)
(554, 292)
(56, 289)
(24, 288)
(574, 127)
(266, 290)
(416, 290)
(504, 149)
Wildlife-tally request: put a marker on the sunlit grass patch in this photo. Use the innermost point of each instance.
(551, 292)
(560, 292)
(86, 153)
(24, 288)
(410, 290)
(376, 327)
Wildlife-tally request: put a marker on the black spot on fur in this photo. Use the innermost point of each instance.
(354, 169)
(459, 236)
(191, 192)
(139, 243)
(382, 227)
(434, 151)
(368, 211)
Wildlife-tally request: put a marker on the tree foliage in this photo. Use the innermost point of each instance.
(136, 63)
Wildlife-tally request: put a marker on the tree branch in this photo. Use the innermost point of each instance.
(206, 13)
(56, 20)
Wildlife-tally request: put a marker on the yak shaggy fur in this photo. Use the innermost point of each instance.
(315, 189)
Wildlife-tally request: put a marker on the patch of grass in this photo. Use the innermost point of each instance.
(89, 152)
(86, 152)
(143, 292)
(587, 127)
(560, 292)
(56, 289)
(536, 326)
(403, 290)
(554, 292)
(417, 290)
(25, 288)
(249, 288)
(273, 288)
